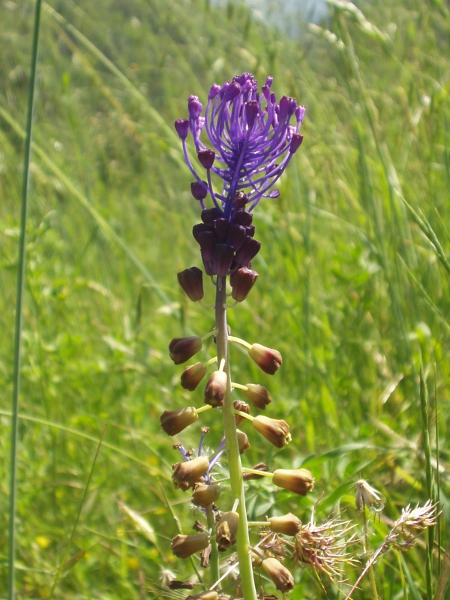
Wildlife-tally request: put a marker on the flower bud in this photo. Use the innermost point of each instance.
(275, 430)
(222, 257)
(174, 421)
(242, 282)
(182, 128)
(186, 474)
(258, 395)
(243, 442)
(216, 389)
(282, 578)
(299, 481)
(206, 158)
(243, 407)
(182, 349)
(247, 251)
(184, 546)
(191, 280)
(288, 524)
(243, 217)
(192, 376)
(259, 467)
(198, 190)
(204, 494)
(268, 359)
(226, 530)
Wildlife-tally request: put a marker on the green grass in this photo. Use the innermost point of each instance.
(353, 286)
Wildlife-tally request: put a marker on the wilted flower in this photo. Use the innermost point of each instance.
(268, 359)
(208, 595)
(186, 474)
(259, 467)
(243, 442)
(299, 481)
(185, 546)
(226, 530)
(275, 430)
(282, 578)
(242, 407)
(182, 349)
(174, 421)
(205, 494)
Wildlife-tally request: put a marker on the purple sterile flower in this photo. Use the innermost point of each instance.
(252, 141)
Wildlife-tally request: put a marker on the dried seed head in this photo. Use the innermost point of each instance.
(282, 578)
(268, 359)
(186, 474)
(275, 430)
(192, 376)
(182, 349)
(288, 524)
(204, 494)
(191, 280)
(258, 395)
(299, 481)
(185, 546)
(174, 421)
(216, 389)
(243, 442)
(226, 530)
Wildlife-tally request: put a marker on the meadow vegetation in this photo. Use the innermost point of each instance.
(353, 288)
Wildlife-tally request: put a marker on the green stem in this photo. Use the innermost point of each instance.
(234, 459)
(214, 557)
(19, 309)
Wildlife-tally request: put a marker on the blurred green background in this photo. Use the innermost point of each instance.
(353, 287)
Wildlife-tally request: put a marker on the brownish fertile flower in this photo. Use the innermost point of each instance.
(258, 395)
(226, 530)
(243, 407)
(243, 442)
(299, 481)
(204, 494)
(275, 430)
(185, 546)
(268, 359)
(287, 524)
(174, 421)
(191, 280)
(241, 282)
(182, 349)
(208, 595)
(186, 474)
(282, 578)
(192, 376)
(216, 388)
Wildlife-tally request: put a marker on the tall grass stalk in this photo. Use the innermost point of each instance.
(19, 306)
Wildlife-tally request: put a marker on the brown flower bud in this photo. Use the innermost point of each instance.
(242, 282)
(186, 474)
(243, 442)
(267, 359)
(176, 584)
(204, 494)
(243, 407)
(191, 280)
(259, 467)
(192, 376)
(185, 546)
(258, 395)
(174, 421)
(182, 349)
(299, 481)
(208, 595)
(216, 389)
(275, 430)
(282, 578)
(226, 530)
(288, 524)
